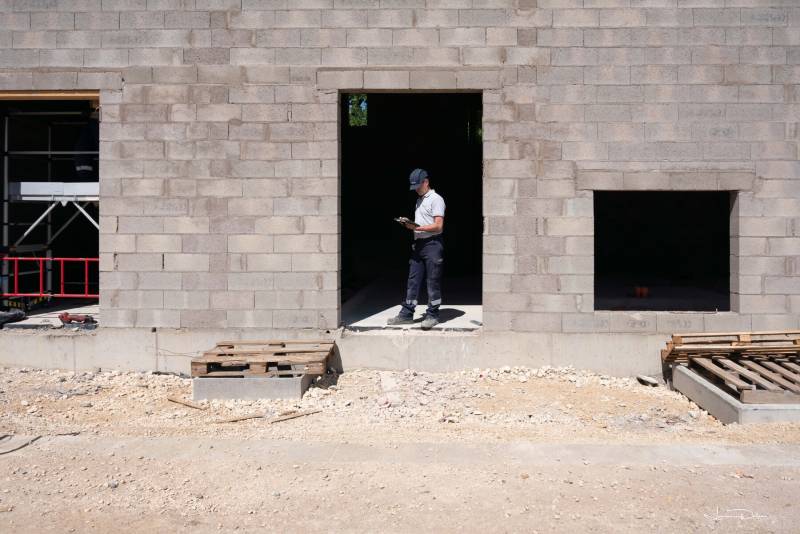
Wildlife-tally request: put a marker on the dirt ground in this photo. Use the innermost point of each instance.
(509, 449)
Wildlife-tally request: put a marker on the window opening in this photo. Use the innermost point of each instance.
(662, 250)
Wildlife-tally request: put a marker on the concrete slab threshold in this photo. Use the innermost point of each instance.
(453, 318)
(725, 407)
(373, 305)
(250, 387)
(171, 350)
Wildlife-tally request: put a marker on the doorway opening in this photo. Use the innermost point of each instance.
(662, 250)
(384, 137)
(50, 203)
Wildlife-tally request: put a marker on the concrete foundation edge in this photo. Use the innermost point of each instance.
(726, 408)
(170, 350)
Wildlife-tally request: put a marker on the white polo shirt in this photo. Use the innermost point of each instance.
(429, 205)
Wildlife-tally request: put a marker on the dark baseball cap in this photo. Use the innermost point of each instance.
(416, 177)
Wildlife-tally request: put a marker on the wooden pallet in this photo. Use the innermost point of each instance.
(753, 379)
(264, 358)
(773, 344)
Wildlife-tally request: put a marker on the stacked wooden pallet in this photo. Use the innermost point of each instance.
(263, 358)
(758, 367)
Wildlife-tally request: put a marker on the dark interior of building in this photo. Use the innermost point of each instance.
(384, 137)
(661, 250)
(49, 141)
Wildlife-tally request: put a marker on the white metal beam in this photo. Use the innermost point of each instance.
(64, 226)
(80, 208)
(40, 219)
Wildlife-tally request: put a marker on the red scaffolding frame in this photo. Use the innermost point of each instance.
(15, 261)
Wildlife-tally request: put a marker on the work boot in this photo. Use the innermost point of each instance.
(400, 319)
(429, 322)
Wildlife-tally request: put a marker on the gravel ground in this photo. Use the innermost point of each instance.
(508, 404)
(548, 450)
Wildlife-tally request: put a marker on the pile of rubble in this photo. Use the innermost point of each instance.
(544, 400)
(453, 397)
(579, 377)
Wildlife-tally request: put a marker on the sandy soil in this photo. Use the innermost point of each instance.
(502, 449)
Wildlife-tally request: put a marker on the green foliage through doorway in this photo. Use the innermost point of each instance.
(357, 110)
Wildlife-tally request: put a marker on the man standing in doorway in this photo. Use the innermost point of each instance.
(427, 253)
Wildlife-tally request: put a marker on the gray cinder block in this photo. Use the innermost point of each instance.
(250, 388)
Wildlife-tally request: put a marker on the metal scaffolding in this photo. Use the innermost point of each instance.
(42, 190)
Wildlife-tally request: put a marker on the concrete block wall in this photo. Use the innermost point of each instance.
(219, 142)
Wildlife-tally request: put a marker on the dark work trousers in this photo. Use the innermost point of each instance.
(426, 263)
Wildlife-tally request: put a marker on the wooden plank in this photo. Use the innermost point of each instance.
(218, 374)
(246, 372)
(768, 397)
(734, 334)
(258, 367)
(257, 356)
(305, 369)
(232, 363)
(709, 366)
(277, 342)
(242, 418)
(783, 371)
(185, 402)
(318, 367)
(776, 378)
(786, 345)
(750, 375)
(734, 357)
(735, 340)
(306, 347)
(267, 358)
(791, 365)
(256, 352)
(261, 370)
(278, 419)
(786, 348)
(774, 344)
(280, 362)
(245, 352)
(292, 416)
(254, 366)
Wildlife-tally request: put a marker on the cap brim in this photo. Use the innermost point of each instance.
(414, 187)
